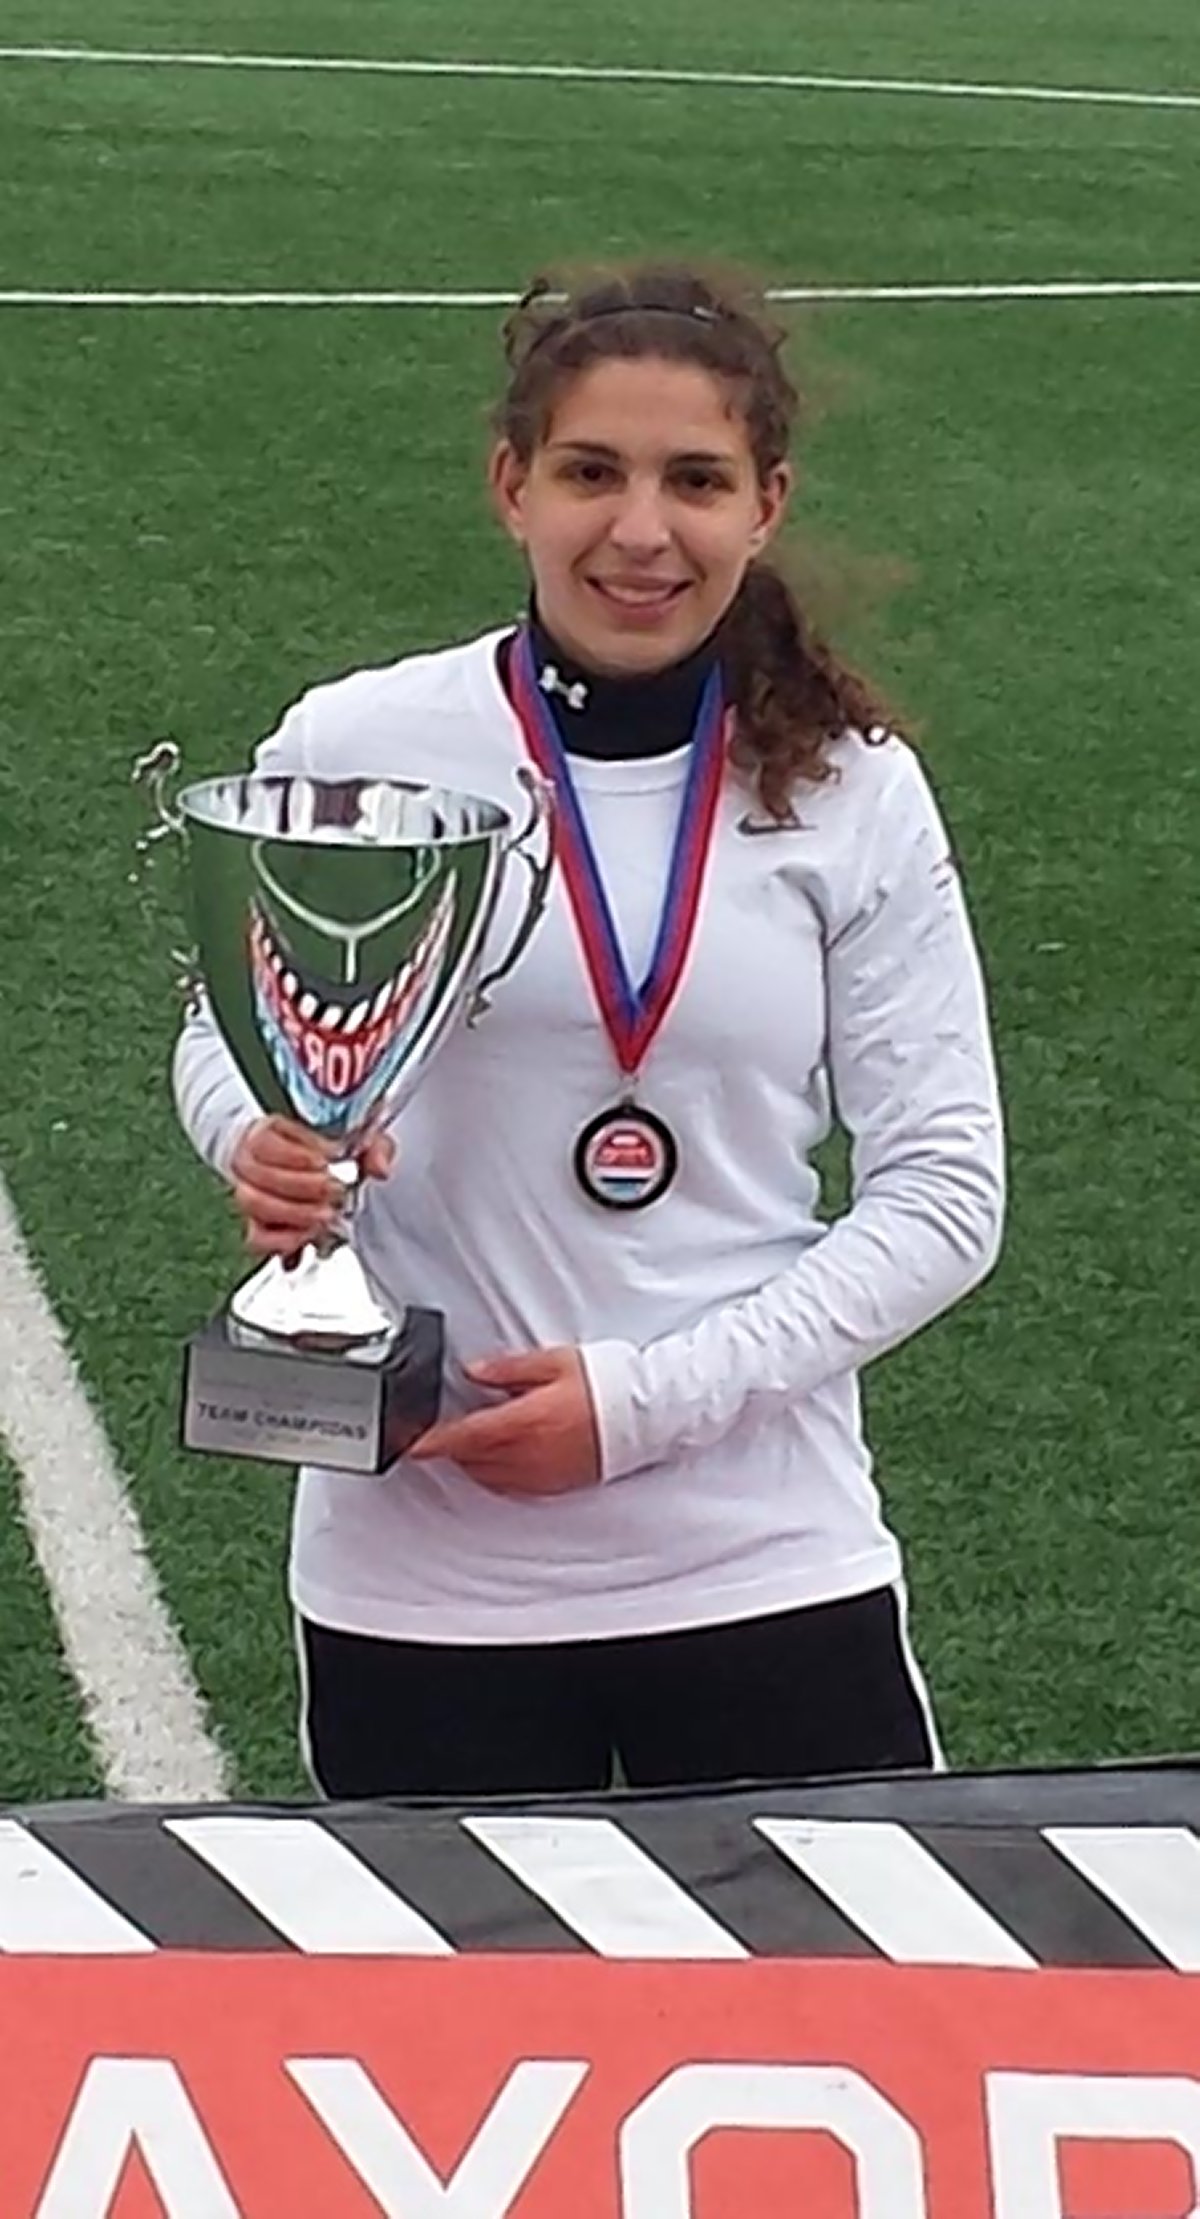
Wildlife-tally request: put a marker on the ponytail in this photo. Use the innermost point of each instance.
(791, 695)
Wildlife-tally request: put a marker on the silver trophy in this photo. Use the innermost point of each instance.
(339, 926)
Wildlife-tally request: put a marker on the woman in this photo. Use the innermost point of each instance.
(648, 1529)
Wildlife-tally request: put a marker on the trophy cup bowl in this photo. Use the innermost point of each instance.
(339, 927)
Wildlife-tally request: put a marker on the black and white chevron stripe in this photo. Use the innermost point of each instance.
(1013, 1872)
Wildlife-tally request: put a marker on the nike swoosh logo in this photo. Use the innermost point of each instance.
(755, 827)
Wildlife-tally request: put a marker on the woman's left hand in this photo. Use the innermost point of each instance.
(542, 1441)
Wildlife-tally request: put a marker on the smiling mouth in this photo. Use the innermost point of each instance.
(639, 599)
(332, 1044)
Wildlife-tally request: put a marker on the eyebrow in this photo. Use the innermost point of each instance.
(602, 453)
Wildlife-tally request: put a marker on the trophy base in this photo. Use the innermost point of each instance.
(351, 1411)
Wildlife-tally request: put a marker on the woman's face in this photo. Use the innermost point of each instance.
(638, 513)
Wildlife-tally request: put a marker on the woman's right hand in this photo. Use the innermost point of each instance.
(282, 1184)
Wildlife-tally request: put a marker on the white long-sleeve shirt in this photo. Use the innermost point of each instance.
(723, 1327)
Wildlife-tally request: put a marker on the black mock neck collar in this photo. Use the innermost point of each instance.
(620, 718)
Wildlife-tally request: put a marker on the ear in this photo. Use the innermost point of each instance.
(773, 496)
(507, 476)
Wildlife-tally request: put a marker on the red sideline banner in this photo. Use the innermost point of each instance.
(202, 2087)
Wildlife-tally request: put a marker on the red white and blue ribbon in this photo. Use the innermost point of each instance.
(633, 1015)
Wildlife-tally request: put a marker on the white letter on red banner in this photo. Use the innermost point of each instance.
(1029, 2114)
(658, 2138)
(140, 2103)
(487, 2179)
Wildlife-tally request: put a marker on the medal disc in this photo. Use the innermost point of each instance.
(626, 1158)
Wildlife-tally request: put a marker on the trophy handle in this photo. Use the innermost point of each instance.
(154, 772)
(541, 817)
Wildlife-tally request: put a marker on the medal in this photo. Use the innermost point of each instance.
(627, 1157)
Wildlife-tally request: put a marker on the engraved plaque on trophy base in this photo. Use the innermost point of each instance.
(306, 1406)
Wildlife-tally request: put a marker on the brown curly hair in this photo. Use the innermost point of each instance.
(792, 694)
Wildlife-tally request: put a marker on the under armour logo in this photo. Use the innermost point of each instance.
(574, 692)
(753, 827)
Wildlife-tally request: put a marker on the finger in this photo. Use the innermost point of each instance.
(378, 1156)
(256, 1163)
(484, 1434)
(291, 1128)
(269, 1208)
(537, 1367)
(270, 1240)
(502, 1479)
(290, 1144)
(440, 1440)
(281, 1209)
(291, 1185)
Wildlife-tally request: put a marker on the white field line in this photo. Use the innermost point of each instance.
(139, 1697)
(1167, 288)
(571, 73)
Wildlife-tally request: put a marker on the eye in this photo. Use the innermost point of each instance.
(701, 479)
(589, 472)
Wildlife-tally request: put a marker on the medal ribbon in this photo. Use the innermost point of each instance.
(633, 1016)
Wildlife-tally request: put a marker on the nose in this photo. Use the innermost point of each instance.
(640, 525)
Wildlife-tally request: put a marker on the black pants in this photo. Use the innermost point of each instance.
(820, 1690)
